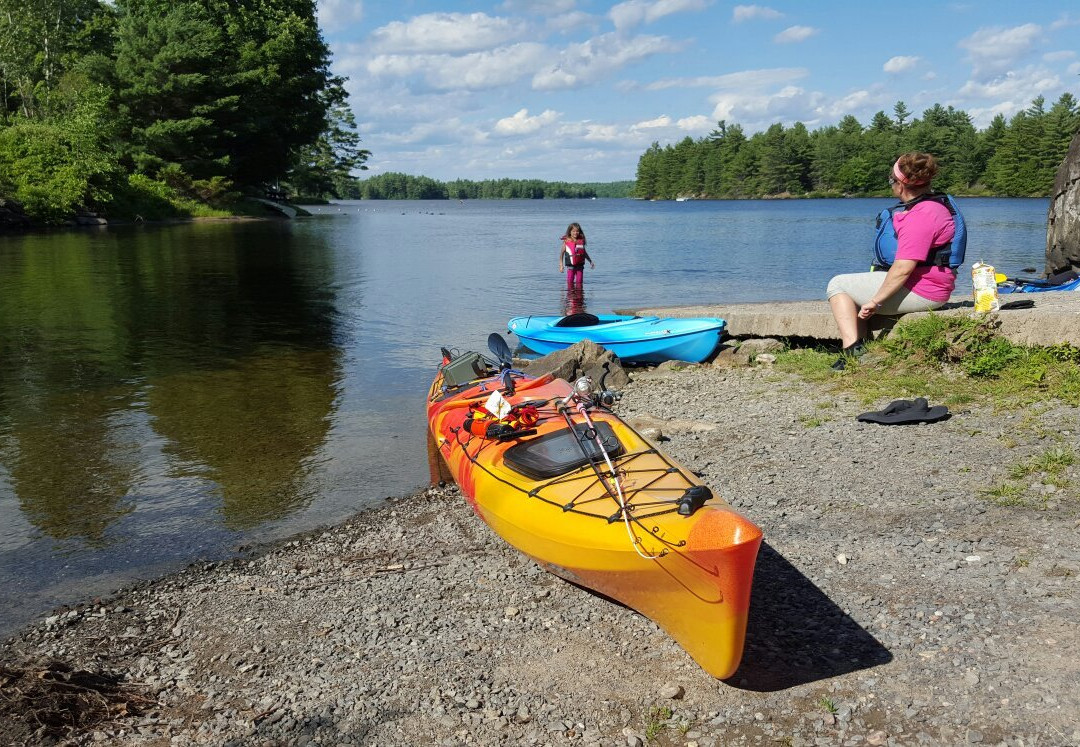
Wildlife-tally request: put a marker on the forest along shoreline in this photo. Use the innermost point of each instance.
(897, 600)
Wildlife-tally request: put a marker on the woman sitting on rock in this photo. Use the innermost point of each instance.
(914, 244)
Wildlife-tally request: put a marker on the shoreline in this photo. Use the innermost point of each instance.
(889, 607)
(33, 229)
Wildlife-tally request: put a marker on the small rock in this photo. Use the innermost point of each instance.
(876, 737)
(671, 691)
(841, 559)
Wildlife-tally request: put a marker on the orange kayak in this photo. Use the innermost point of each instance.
(593, 501)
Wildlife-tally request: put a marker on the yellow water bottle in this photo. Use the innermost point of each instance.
(984, 287)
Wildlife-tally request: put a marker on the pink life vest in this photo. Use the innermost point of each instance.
(574, 253)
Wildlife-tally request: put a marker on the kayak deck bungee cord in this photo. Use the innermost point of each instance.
(593, 501)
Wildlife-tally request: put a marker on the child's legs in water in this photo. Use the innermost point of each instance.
(574, 278)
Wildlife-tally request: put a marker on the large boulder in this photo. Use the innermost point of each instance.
(584, 358)
(1063, 217)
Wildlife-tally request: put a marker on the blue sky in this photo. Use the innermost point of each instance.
(576, 90)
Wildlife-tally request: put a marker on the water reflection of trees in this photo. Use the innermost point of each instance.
(72, 466)
(228, 331)
(253, 429)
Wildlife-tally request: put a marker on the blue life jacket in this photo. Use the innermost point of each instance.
(949, 254)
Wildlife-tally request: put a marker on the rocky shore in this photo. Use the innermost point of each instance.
(899, 599)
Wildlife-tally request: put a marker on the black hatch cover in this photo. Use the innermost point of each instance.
(558, 452)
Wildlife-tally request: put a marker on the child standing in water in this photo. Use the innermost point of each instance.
(572, 256)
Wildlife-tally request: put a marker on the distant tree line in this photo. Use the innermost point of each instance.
(395, 186)
(1017, 157)
(156, 105)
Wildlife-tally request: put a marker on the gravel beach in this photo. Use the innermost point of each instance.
(895, 602)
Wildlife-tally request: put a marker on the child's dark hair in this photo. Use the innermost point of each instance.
(571, 227)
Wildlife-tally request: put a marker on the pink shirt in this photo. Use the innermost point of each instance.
(927, 224)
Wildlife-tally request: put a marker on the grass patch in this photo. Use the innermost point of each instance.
(949, 359)
(1050, 465)
(654, 724)
(1005, 494)
(826, 703)
(1051, 462)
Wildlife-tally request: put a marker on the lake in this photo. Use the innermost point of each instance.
(169, 393)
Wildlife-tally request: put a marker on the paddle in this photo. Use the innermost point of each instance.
(497, 345)
(1000, 278)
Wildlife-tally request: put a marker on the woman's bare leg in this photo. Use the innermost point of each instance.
(846, 314)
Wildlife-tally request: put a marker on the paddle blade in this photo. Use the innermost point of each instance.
(999, 278)
(497, 345)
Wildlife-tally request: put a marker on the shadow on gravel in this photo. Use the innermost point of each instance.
(796, 634)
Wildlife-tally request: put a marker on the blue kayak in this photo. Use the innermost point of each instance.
(635, 339)
(1037, 286)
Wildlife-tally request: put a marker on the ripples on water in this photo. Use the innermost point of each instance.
(168, 393)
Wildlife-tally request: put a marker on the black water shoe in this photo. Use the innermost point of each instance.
(854, 350)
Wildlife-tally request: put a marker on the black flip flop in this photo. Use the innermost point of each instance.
(1025, 303)
(906, 411)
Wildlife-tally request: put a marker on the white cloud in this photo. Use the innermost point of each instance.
(434, 33)
(476, 71)
(662, 121)
(335, 13)
(900, 64)
(592, 60)
(540, 7)
(795, 34)
(1073, 69)
(1060, 56)
(446, 131)
(1064, 22)
(994, 50)
(570, 22)
(753, 110)
(633, 12)
(522, 124)
(744, 79)
(1022, 85)
(753, 13)
(604, 133)
(699, 123)
(982, 116)
(853, 103)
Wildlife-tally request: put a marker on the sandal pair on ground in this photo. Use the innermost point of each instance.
(897, 412)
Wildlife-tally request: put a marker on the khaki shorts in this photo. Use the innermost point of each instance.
(861, 287)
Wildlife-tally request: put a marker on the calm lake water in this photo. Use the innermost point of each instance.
(169, 393)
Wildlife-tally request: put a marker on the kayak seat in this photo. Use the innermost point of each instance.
(578, 320)
(558, 452)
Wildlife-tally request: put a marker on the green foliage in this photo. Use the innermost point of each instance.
(971, 342)
(61, 164)
(396, 186)
(199, 95)
(1065, 352)
(324, 169)
(40, 41)
(949, 358)
(143, 198)
(1014, 158)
